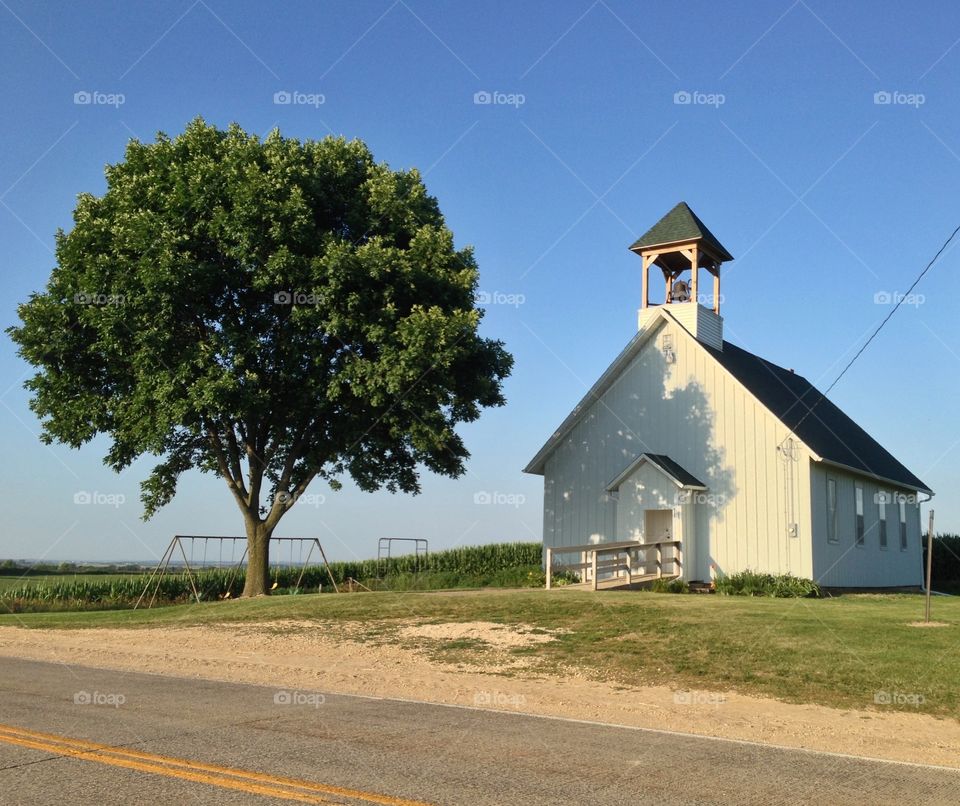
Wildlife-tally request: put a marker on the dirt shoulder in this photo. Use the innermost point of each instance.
(412, 664)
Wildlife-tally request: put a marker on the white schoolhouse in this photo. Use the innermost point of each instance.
(726, 459)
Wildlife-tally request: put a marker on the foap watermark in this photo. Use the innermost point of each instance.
(95, 498)
(898, 298)
(97, 98)
(297, 98)
(498, 699)
(500, 298)
(483, 497)
(315, 500)
(700, 497)
(897, 98)
(296, 298)
(898, 698)
(98, 698)
(698, 698)
(707, 300)
(896, 498)
(299, 698)
(698, 98)
(496, 98)
(91, 298)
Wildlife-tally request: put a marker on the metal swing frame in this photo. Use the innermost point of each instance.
(177, 542)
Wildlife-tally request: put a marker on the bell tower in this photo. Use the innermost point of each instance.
(679, 243)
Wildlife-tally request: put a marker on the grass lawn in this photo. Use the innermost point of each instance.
(839, 652)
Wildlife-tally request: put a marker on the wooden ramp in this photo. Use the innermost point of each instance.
(637, 582)
(617, 565)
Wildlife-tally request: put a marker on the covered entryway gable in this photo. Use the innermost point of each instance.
(656, 500)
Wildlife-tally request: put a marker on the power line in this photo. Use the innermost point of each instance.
(893, 310)
(873, 335)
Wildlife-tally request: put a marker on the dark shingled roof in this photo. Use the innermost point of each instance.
(817, 422)
(672, 469)
(681, 224)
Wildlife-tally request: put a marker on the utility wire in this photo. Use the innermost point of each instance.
(893, 310)
(873, 335)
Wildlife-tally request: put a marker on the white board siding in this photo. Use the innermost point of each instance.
(699, 415)
(844, 564)
(698, 320)
(710, 327)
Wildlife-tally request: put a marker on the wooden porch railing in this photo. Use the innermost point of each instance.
(620, 559)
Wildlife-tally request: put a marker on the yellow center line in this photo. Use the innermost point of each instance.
(199, 772)
(196, 777)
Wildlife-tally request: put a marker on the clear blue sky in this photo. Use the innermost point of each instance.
(825, 197)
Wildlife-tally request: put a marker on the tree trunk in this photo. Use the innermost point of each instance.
(258, 559)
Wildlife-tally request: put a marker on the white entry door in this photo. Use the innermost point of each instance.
(658, 525)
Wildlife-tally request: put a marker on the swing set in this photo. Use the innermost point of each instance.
(191, 563)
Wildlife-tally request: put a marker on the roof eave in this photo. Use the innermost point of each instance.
(639, 247)
(720, 255)
(866, 474)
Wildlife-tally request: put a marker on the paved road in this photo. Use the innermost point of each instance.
(88, 736)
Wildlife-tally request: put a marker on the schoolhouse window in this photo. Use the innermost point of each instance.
(903, 525)
(860, 530)
(882, 518)
(832, 509)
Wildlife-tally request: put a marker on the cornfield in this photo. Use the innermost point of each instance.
(496, 564)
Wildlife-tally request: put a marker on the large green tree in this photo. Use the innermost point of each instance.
(270, 311)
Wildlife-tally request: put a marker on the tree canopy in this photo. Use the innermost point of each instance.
(269, 310)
